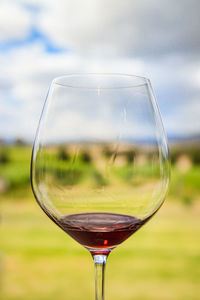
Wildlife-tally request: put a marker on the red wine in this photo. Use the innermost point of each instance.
(100, 230)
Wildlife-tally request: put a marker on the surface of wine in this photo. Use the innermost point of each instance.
(100, 230)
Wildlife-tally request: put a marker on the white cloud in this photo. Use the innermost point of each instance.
(185, 121)
(14, 21)
(135, 28)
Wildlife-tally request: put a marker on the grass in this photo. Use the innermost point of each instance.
(17, 170)
(41, 262)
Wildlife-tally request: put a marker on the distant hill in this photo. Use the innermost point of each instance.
(192, 141)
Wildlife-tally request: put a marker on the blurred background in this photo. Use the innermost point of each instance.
(40, 40)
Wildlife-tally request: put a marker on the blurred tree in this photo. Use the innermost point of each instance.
(107, 152)
(4, 156)
(130, 156)
(63, 154)
(20, 142)
(174, 156)
(195, 155)
(86, 157)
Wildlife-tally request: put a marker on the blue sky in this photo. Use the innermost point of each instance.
(43, 39)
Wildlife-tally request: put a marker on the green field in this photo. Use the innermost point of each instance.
(39, 261)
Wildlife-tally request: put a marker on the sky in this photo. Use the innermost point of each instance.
(40, 40)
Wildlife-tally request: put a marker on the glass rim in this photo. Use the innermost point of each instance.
(64, 80)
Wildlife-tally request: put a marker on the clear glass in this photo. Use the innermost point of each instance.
(100, 164)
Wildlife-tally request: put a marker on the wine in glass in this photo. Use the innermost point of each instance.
(100, 165)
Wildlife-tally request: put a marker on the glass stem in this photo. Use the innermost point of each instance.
(99, 263)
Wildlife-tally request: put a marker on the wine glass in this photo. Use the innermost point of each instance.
(100, 164)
